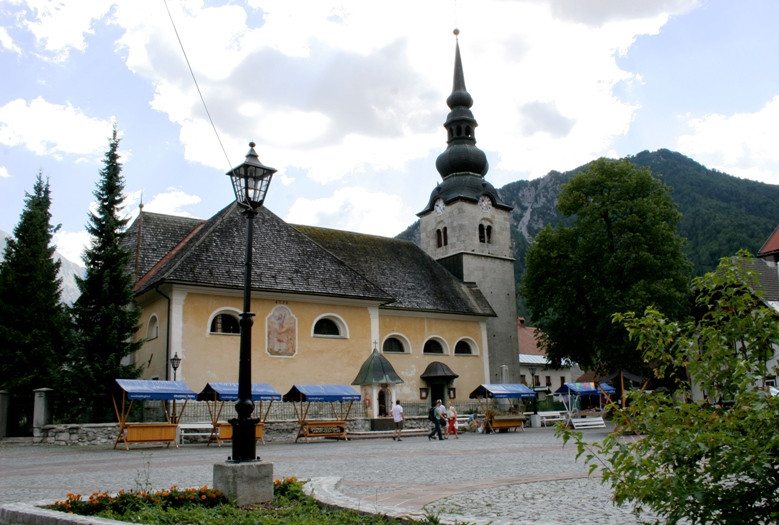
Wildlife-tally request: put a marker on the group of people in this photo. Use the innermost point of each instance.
(445, 422)
(445, 418)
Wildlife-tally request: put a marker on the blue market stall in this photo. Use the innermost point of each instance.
(340, 398)
(487, 393)
(216, 394)
(584, 403)
(131, 390)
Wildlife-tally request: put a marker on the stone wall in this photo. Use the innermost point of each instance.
(105, 433)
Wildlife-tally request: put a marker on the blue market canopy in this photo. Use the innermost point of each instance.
(503, 391)
(585, 389)
(144, 389)
(229, 392)
(322, 393)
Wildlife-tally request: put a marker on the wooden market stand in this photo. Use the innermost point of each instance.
(486, 395)
(571, 395)
(340, 398)
(130, 390)
(216, 394)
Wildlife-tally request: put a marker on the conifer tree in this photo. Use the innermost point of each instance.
(104, 314)
(33, 321)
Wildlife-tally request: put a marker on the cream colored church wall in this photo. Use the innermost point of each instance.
(314, 360)
(152, 355)
(317, 360)
(411, 365)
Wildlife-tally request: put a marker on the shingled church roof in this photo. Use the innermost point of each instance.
(413, 278)
(295, 259)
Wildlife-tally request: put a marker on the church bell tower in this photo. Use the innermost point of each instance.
(465, 227)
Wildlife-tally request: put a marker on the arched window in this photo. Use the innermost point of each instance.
(225, 323)
(439, 240)
(463, 348)
(393, 345)
(153, 330)
(446, 237)
(481, 233)
(330, 325)
(326, 327)
(489, 234)
(433, 347)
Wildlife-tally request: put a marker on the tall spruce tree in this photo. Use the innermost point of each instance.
(104, 314)
(33, 321)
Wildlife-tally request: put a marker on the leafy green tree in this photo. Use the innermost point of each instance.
(33, 322)
(619, 252)
(714, 460)
(104, 314)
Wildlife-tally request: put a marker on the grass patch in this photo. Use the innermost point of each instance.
(206, 506)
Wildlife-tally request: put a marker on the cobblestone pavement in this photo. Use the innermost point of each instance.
(518, 477)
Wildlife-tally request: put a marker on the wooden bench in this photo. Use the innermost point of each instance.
(547, 418)
(497, 423)
(146, 433)
(332, 429)
(224, 432)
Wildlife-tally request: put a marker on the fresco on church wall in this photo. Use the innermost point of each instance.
(282, 332)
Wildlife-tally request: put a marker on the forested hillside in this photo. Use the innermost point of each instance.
(720, 213)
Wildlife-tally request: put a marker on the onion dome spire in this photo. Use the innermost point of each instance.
(461, 155)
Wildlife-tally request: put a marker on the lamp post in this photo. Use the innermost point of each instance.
(250, 183)
(532, 371)
(175, 361)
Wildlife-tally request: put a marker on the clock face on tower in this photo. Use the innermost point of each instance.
(485, 203)
(439, 206)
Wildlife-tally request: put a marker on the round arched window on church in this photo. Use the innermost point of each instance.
(463, 348)
(433, 347)
(392, 345)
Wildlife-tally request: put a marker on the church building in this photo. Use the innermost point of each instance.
(441, 316)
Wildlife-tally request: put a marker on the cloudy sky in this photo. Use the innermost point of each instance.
(347, 99)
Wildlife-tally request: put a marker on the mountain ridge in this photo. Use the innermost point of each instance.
(720, 213)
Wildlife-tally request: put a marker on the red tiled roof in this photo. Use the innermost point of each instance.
(526, 339)
(771, 245)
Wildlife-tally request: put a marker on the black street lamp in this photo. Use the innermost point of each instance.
(175, 361)
(532, 371)
(250, 182)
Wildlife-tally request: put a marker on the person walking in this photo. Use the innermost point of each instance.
(398, 418)
(439, 414)
(451, 416)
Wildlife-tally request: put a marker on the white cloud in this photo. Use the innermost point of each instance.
(317, 99)
(60, 26)
(71, 245)
(171, 202)
(4, 173)
(52, 129)
(7, 42)
(742, 144)
(353, 209)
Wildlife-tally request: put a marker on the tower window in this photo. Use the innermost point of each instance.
(439, 240)
(446, 237)
(485, 233)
